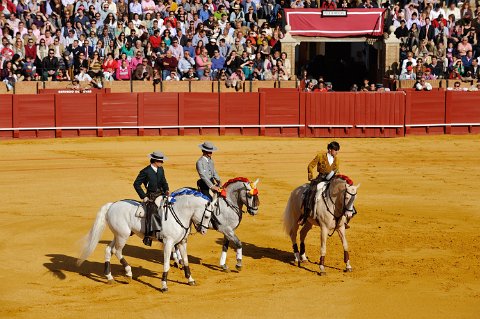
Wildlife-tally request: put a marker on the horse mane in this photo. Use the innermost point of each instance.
(234, 180)
(345, 178)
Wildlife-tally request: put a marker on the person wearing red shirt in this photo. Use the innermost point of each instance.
(31, 49)
(329, 5)
(8, 5)
(109, 67)
(155, 40)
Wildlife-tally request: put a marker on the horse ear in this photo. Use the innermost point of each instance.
(358, 186)
(256, 182)
(247, 185)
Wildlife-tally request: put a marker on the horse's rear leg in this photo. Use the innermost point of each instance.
(182, 247)
(323, 250)
(108, 256)
(119, 244)
(346, 256)
(293, 238)
(303, 234)
(177, 257)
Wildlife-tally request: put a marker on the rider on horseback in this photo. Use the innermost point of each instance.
(154, 181)
(209, 179)
(327, 165)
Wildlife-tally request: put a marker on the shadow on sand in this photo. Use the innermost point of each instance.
(60, 265)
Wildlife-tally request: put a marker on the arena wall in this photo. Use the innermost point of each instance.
(269, 112)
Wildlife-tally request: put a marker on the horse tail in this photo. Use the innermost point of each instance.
(92, 238)
(288, 216)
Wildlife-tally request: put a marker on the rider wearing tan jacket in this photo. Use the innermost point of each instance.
(325, 163)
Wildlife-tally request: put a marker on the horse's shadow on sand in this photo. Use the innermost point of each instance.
(60, 265)
(286, 257)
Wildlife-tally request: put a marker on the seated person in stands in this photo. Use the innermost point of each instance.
(84, 77)
(428, 75)
(409, 75)
(143, 71)
(185, 63)
(422, 85)
(172, 77)
(236, 79)
(124, 71)
(435, 68)
(190, 75)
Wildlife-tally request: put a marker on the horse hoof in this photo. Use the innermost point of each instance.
(238, 267)
(111, 281)
(299, 263)
(165, 289)
(128, 279)
(225, 268)
(192, 283)
(348, 270)
(175, 264)
(322, 273)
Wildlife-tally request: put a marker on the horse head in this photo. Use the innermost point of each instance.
(241, 191)
(250, 197)
(348, 199)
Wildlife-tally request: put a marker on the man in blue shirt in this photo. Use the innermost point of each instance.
(204, 13)
(218, 63)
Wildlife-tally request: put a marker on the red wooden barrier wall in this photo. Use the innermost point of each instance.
(379, 115)
(330, 114)
(269, 112)
(6, 115)
(425, 112)
(463, 112)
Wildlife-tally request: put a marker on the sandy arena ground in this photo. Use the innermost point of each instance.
(414, 246)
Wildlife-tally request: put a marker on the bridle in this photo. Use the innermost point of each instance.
(249, 194)
(198, 227)
(345, 205)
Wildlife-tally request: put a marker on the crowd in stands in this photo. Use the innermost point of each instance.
(157, 40)
(439, 40)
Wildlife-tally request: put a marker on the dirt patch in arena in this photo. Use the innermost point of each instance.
(414, 245)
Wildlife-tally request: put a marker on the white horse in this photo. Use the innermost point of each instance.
(227, 214)
(333, 207)
(123, 219)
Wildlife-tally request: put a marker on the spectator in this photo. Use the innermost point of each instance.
(109, 67)
(422, 85)
(236, 79)
(409, 75)
(475, 70)
(169, 63)
(144, 71)
(190, 75)
(173, 76)
(218, 63)
(49, 66)
(185, 64)
(202, 61)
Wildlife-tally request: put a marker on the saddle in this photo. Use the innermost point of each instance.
(310, 198)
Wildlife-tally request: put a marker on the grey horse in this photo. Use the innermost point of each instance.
(227, 214)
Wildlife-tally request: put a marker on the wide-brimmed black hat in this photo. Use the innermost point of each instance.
(208, 147)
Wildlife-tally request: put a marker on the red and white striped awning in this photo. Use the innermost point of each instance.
(357, 22)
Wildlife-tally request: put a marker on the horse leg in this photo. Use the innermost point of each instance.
(167, 251)
(346, 256)
(119, 244)
(293, 238)
(177, 257)
(238, 247)
(323, 249)
(303, 234)
(182, 247)
(223, 255)
(108, 255)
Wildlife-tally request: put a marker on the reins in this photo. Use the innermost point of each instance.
(337, 219)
